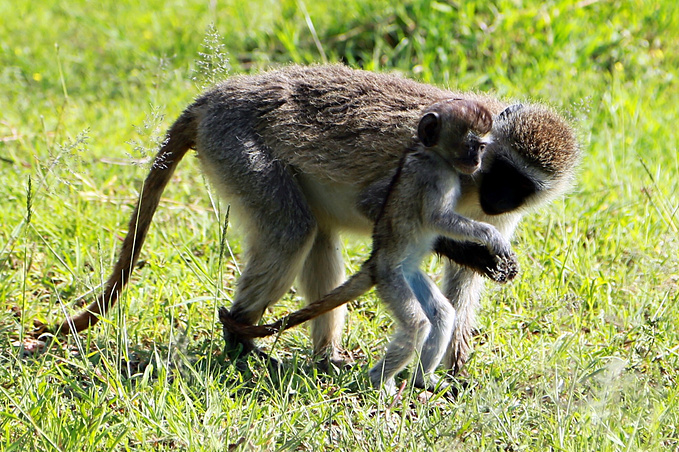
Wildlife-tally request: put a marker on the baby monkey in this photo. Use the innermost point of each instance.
(419, 207)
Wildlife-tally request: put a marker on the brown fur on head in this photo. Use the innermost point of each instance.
(542, 136)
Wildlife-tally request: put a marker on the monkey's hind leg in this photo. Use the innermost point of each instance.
(268, 274)
(323, 271)
(463, 288)
(279, 228)
(412, 331)
(441, 315)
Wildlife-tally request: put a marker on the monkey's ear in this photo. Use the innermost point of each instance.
(429, 129)
(509, 110)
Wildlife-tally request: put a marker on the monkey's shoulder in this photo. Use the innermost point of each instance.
(422, 187)
(426, 171)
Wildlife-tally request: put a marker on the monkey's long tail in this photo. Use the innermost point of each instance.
(353, 288)
(180, 138)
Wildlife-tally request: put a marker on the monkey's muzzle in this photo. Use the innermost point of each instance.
(467, 166)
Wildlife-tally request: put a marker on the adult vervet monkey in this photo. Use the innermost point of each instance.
(297, 152)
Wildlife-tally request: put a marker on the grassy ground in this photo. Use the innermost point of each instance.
(581, 353)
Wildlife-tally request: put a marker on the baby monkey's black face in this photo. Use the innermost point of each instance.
(467, 159)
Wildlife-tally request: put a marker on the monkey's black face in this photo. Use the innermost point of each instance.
(467, 158)
(504, 188)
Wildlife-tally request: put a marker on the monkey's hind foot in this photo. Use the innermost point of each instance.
(506, 268)
(274, 366)
(243, 331)
(237, 348)
(332, 360)
(447, 388)
(431, 383)
(238, 354)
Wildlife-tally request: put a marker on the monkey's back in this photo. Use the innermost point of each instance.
(329, 120)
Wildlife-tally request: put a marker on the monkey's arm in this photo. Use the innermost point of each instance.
(354, 287)
(472, 255)
(477, 257)
(481, 244)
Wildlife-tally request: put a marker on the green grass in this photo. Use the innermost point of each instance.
(580, 354)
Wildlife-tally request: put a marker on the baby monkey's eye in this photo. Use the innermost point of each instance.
(476, 147)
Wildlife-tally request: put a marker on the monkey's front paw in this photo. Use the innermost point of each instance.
(505, 269)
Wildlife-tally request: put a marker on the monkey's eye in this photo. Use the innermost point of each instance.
(482, 147)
